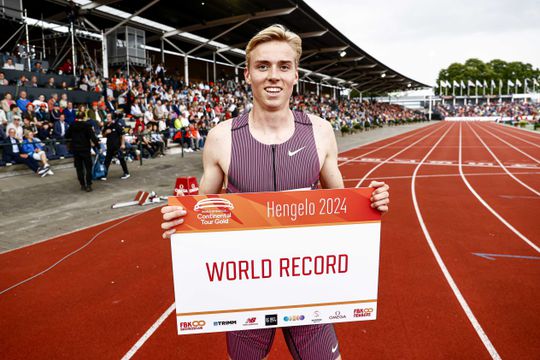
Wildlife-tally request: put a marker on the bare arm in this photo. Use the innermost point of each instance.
(212, 180)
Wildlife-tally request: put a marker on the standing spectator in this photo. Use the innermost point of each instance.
(82, 138)
(53, 100)
(115, 145)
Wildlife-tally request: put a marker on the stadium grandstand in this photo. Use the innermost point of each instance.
(177, 73)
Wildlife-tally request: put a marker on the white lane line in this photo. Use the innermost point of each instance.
(444, 175)
(512, 146)
(416, 131)
(501, 219)
(149, 333)
(393, 156)
(515, 137)
(457, 293)
(501, 164)
(516, 130)
(70, 254)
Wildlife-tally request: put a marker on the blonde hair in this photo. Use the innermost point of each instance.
(276, 32)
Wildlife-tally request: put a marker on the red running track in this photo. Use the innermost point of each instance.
(437, 300)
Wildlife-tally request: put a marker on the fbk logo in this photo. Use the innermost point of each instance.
(271, 320)
(365, 312)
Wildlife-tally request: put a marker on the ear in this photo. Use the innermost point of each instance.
(247, 75)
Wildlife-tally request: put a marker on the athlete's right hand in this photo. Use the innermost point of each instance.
(172, 216)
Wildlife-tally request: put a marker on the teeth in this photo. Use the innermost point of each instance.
(271, 89)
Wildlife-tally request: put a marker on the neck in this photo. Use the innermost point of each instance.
(270, 119)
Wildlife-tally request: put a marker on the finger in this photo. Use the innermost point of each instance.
(376, 184)
(383, 208)
(174, 215)
(381, 189)
(378, 204)
(171, 224)
(167, 209)
(378, 197)
(167, 234)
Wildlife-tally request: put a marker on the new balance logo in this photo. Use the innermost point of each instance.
(292, 153)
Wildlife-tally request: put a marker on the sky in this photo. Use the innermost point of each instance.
(418, 38)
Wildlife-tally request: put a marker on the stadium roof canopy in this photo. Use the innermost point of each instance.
(202, 28)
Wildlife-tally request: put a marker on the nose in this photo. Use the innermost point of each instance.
(273, 73)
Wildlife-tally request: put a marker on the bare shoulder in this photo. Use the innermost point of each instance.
(320, 125)
(218, 144)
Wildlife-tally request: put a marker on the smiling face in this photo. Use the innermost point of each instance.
(272, 74)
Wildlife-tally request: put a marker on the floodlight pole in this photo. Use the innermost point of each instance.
(430, 107)
(104, 55)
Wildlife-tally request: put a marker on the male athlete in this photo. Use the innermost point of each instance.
(272, 148)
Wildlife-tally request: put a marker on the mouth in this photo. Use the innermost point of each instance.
(273, 90)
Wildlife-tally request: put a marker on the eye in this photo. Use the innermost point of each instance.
(262, 67)
(285, 67)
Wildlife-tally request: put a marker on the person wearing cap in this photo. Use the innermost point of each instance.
(13, 154)
(82, 138)
(42, 113)
(34, 148)
(55, 112)
(95, 113)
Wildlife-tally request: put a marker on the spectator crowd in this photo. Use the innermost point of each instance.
(155, 110)
(515, 110)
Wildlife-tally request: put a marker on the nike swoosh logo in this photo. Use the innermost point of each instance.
(292, 153)
(334, 349)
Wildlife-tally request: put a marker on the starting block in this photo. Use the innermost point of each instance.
(186, 185)
(141, 198)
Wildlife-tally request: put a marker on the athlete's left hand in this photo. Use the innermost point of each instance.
(380, 197)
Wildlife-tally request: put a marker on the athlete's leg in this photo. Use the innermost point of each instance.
(312, 342)
(250, 344)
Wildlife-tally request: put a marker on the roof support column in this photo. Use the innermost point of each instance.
(298, 87)
(162, 52)
(104, 55)
(214, 66)
(236, 74)
(186, 69)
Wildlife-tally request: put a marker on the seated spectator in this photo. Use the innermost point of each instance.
(39, 101)
(50, 84)
(35, 149)
(63, 101)
(156, 141)
(70, 113)
(42, 114)
(7, 101)
(55, 112)
(45, 132)
(3, 80)
(22, 81)
(22, 101)
(66, 68)
(16, 126)
(9, 64)
(13, 154)
(60, 127)
(33, 82)
(52, 100)
(38, 68)
(14, 111)
(95, 113)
